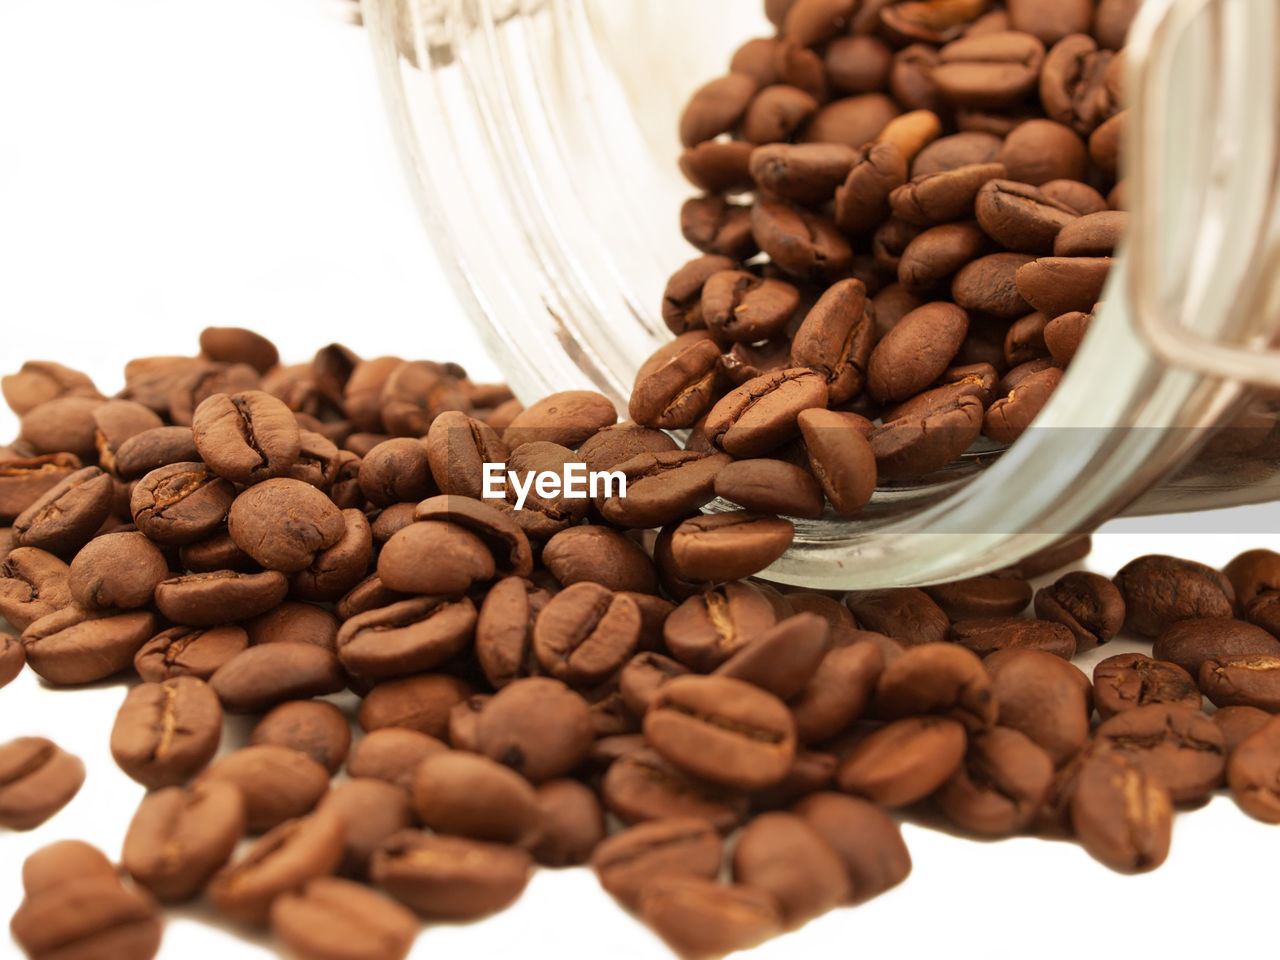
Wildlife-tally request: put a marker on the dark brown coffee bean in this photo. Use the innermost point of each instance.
(770, 486)
(1058, 285)
(1237, 723)
(397, 470)
(238, 345)
(1009, 417)
(294, 622)
(1130, 680)
(24, 481)
(862, 200)
(698, 917)
(1043, 697)
(371, 810)
(717, 166)
(536, 726)
(907, 614)
(1039, 151)
(852, 121)
(1122, 813)
(166, 732)
(333, 919)
(71, 646)
(707, 629)
(1088, 604)
(12, 658)
(459, 559)
(37, 779)
(1097, 235)
(179, 838)
(180, 503)
(717, 227)
(572, 823)
(1253, 573)
(988, 634)
(784, 855)
(64, 517)
(457, 446)
(843, 629)
(729, 546)
(641, 785)
(33, 584)
(208, 599)
(246, 437)
(116, 570)
(928, 439)
(566, 418)
(188, 651)
(419, 703)
(585, 633)
(988, 286)
(682, 298)
(677, 846)
(406, 637)
(761, 414)
(1264, 611)
(867, 840)
(1183, 748)
(678, 383)
(782, 660)
(933, 198)
(1242, 680)
(450, 877)
(622, 441)
(314, 524)
(662, 487)
(318, 729)
(1189, 643)
(805, 173)
(738, 306)
(61, 425)
(1000, 786)
(934, 256)
(800, 67)
(261, 677)
(904, 761)
(858, 64)
(643, 675)
(76, 908)
(937, 678)
(599, 555)
(1020, 217)
(991, 71)
(1025, 340)
(840, 457)
(285, 858)
(277, 783)
(1048, 20)
(992, 595)
(835, 339)
(838, 692)
(391, 754)
(153, 449)
(504, 630)
(1253, 773)
(472, 796)
(802, 243)
(715, 107)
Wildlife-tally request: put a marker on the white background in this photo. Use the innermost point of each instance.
(167, 164)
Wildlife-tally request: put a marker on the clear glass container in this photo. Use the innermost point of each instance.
(540, 136)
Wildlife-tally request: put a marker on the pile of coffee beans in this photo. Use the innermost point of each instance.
(909, 211)
(553, 685)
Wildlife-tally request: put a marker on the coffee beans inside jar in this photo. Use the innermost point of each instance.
(904, 233)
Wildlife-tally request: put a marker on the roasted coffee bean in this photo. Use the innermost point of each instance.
(33, 584)
(261, 677)
(294, 622)
(40, 380)
(1243, 680)
(835, 339)
(1122, 813)
(1264, 611)
(1000, 786)
(1184, 749)
(698, 917)
(71, 646)
(599, 555)
(1025, 340)
(987, 286)
(76, 907)
(391, 754)
(504, 630)
(933, 198)
(415, 393)
(662, 487)
(988, 634)
(844, 630)
(937, 678)
(919, 444)
(840, 457)
(728, 546)
(371, 810)
(12, 658)
(715, 226)
(677, 384)
(770, 486)
(116, 571)
(862, 201)
(419, 703)
(1237, 723)
(718, 166)
(339, 568)
(933, 257)
(238, 345)
(566, 418)
(1039, 151)
(1010, 416)
(209, 599)
(333, 919)
(472, 796)
(622, 441)
(457, 446)
(24, 481)
(1088, 604)
(1097, 235)
(906, 614)
(682, 298)
(761, 414)
(537, 726)
(406, 637)
(643, 675)
(805, 173)
(678, 846)
(62, 425)
(166, 732)
(1048, 20)
(1058, 285)
(782, 660)
(1253, 773)
(318, 729)
(64, 517)
(640, 785)
(541, 515)
(313, 524)
(188, 652)
(585, 633)
(867, 840)
(741, 307)
(992, 595)
(722, 730)
(572, 823)
(904, 761)
(246, 437)
(397, 470)
(838, 692)
(802, 243)
(991, 71)
(1043, 697)
(450, 877)
(1252, 573)
(37, 779)
(1020, 217)
(707, 629)
(1189, 643)
(217, 552)
(180, 503)
(715, 107)
(784, 855)
(282, 860)
(153, 449)
(277, 783)
(1130, 680)
(179, 838)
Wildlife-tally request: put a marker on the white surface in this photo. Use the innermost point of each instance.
(165, 164)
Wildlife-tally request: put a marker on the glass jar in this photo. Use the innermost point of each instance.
(540, 136)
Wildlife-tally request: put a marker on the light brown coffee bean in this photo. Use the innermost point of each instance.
(867, 840)
(37, 779)
(277, 783)
(700, 917)
(166, 732)
(333, 919)
(179, 838)
(450, 877)
(1122, 814)
(904, 761)
(676, 846)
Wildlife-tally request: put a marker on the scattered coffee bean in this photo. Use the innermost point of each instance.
(333, 919)
(314, 727)
(277, 783)
(167, 732)
(449, 877)
(1122, 813)
(37, 779)
(179, 838)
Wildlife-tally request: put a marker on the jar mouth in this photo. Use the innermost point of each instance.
(541, 142)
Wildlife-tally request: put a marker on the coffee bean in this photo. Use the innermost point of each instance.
(867, 840)
(405, 637)
(730, 545)
(987, 286)
(572, 823)
(677, 846)
(803, 244)
(991, 71)
(33, 584)
(504, 630)
(12, 658)
(537, 726)
(566, 418)
(314, 524)
(933, 257)
(261, 677)
(770, 486)
(1000, 786)
(238, 345)
(740, 307)
(1043, 697)
(1058, 285)
(61, 425)
(682, 297)
(1254, 771)
(1009, 417)
(371, 811)
(294, 622)
(1237, 723)
(906, 614)
(282, 860)
(37, 779)
(38, 381)
(783, 854)
(640, 785)
(782, 660)
(153, 449)
(1130, 680)
(933, 198)
(717, 166)
(862, 201)
(318, 729)
(662, 487)
(333, 919)
(761, 414)
(639, 680)
(64, 517)
(718, 227)
(992, 595)
(1184, 749)
(246, 437)
(937, 678)
(1264, 611)
(391, 754)
(699, 917)
(179, 838)
(210, 599)
(839, 692)
(622, 441)
(904, 761)
(415, 393)
(1189, 643)
(166, 732)
(180, 503)
(72, 646)
(988, 634)
(599, 555)
(1089, 605)
(77, 907)
(715, 107)
(116, 570)
(678, 383)
(450, 877)
(419, 703)
(472, 796)
(277, 783)
(917, 445)
(1122, 813)
(586, 632)
(188, 652)
(840, 457)
(1243, 680)
(1020, 217)
(24, 481)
